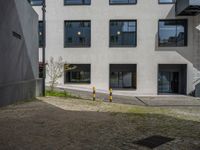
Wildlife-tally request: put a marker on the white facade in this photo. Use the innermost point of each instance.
(147, 55)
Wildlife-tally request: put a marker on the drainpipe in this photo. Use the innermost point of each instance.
(44, 46)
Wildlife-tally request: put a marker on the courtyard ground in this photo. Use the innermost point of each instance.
(53, 123)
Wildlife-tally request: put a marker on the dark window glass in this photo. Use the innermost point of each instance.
(123, 33)
(167, 1)
(123, 76)
(123, 1)
(41, 70)
(41, 34)
(172, 33)
(36, 2)
(77, 33)
(77, 2)
(81, 74)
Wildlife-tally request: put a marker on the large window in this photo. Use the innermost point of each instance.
(36, 2)
(77, 34)
(123, 1)
(41, 34)
(123, 76)
(77, 2)
(172, 33)
(81, 74)
(123, 33)
(166, 1)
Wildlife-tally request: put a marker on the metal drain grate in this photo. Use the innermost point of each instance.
(153, 141)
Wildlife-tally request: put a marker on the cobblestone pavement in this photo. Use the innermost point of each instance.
(74, 124)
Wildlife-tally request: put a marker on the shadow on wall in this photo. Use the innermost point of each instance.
(184, 51)
(190, 51)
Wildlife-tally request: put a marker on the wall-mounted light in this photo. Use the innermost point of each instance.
(79, 33)
(118, 32)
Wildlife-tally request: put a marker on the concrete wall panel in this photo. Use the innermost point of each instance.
(19, 51)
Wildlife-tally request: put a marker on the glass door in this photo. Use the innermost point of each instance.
(127, 80)
(121, 80)
(175, 82)
(168, 82)
(164, 82)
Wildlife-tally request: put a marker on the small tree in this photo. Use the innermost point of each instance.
(55, 70)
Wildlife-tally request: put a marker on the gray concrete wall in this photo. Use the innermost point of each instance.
(197, 54)
(181, 5)
(19, 51)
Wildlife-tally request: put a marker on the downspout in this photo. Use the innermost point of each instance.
(44, 46)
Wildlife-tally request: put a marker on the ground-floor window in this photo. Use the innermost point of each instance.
(81, 74)
(123, 76)
(172, 78)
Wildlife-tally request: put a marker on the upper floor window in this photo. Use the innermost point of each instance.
(172, 33)
(77, 2)
(123, 33)
(77, 34)
(167, 1)
(41, 33)
(36, 2)
(123, 1)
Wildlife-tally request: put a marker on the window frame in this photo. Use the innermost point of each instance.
(110, 3)
(36, 4)
(65, 79)
(43, 38)
(125, 46)
(186, 34)
(136, 73)
(174, 2)
(78, 46)
(65, 4)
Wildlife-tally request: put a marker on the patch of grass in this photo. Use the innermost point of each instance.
(63, 94)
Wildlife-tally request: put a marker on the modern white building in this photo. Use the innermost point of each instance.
(136, 47)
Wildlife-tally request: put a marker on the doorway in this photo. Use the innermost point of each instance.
(168, 82)
(172, 79)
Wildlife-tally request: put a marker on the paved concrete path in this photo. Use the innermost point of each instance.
(154, 101)
(171, 100)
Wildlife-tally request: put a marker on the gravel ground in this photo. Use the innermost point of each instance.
(74, 124)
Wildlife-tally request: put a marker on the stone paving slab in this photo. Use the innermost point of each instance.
(105, 97)
(171, 100)
(160, 100)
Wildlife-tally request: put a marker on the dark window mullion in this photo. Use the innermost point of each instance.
(176, 33)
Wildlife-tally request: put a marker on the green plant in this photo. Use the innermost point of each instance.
(56, 69)
(64, 94)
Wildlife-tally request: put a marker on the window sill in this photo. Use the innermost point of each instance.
(123, 4)
(77, 4)
(77, 46)
(75, 83)
(124, 89)
(122, 46)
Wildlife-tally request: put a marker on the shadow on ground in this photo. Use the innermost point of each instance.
(39, 125)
